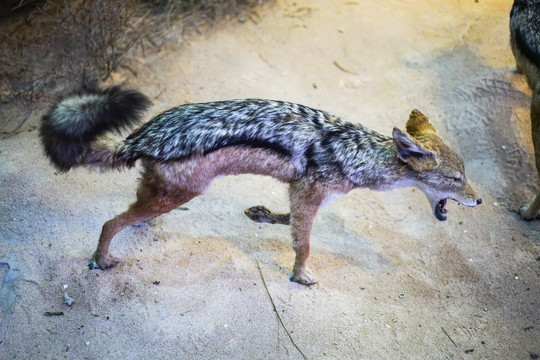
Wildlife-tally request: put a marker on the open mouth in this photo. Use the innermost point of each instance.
(440, 210)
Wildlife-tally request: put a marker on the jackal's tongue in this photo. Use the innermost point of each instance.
(440, 210)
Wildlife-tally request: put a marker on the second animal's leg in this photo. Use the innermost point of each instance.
(530, 211)
(305, 201)
(151, 202)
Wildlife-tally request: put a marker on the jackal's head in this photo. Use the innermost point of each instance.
(432, 166)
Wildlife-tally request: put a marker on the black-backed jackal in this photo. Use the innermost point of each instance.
(182, 149)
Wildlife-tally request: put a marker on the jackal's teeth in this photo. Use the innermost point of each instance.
(440, 210)
(442, 204)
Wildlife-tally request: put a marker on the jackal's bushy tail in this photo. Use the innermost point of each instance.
(70, 132)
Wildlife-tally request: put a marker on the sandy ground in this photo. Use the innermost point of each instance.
(189, 286)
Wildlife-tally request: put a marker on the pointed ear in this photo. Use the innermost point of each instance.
(419, 124)
(409, 150)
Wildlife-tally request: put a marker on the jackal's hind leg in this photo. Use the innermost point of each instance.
(530, 211)
(261, 214)
(149, 204)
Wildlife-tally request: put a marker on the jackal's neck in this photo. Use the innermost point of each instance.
(378, 165)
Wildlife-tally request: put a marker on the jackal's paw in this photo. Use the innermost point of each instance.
(258, 213)
(263, 215)
(305, 277)
(106, 261)
(527, 213)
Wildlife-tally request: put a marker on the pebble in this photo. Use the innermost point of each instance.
(69, 301)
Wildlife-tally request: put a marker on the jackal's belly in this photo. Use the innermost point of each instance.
(245, 160)
(197, 172)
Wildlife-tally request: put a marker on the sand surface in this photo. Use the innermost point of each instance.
(189, 286)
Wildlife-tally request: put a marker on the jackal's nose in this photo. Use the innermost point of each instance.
(478, 201)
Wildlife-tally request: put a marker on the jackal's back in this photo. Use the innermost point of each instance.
(198, 129)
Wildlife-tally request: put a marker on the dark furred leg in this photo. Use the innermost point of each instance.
(530, 212)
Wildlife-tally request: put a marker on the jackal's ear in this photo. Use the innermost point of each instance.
(419, 124)
(409, 150)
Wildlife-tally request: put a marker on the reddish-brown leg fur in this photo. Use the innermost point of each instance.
(305, 201)
(154, 197)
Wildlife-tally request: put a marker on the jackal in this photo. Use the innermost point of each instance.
(525, 43)
(182, 149)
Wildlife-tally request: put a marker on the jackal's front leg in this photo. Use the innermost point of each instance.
(305, 201)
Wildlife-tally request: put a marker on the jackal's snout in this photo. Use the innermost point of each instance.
(466, 196)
